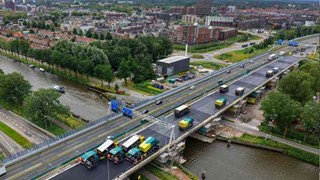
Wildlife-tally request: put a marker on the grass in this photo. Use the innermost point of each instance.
(208, 65)
(15, 136)
(2, 156)
(289, 150)
(239, 55)
(143, 88)
(136, 175)
(53, 128)
(160, 173)
(197, 56)
(72, 121)
(186, 171)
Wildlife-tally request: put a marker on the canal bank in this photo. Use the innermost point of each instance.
(243, 162)
(81, 101)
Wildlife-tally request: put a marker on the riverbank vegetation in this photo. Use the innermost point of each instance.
(42, 107)
(160, 173)
(143, 88)
(15, 136)
(289, 150)
(301, 114)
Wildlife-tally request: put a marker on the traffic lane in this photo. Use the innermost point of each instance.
(9, 144)
(23, 128)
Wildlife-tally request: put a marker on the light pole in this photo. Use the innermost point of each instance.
(45, 120)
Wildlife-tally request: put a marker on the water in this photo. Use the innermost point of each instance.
(82, 102)
(244, 163)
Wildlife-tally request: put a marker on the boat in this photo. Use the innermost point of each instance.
(59, 88)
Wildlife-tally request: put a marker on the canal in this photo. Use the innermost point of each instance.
(239, 162)
(81, 101)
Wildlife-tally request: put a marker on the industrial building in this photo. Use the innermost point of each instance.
(173, 65)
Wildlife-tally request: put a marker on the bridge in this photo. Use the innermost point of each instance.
(47, 157)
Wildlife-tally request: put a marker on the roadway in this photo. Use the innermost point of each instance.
(55, 155)
(201, 110)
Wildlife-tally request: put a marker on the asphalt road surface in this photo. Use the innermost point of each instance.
(200, 111)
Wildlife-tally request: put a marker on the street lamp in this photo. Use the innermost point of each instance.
(45, 120)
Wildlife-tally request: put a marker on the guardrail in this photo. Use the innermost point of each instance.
(94, 124)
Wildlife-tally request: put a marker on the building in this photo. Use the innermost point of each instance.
(203, 7)
(219, 21)
(173, 65)
(10, 5)
(227, 33)
(251, 24)
(185, 34)
(191, 18)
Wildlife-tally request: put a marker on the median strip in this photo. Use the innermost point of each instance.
(15, 136)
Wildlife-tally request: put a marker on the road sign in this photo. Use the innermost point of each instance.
(127, 112)
(114, 106)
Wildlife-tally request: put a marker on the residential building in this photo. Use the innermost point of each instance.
(203, 7)
(190, 18)
(219, 21)
(227, 33)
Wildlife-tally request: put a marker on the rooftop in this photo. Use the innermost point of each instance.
(172, 59)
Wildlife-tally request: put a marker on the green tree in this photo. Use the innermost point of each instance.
(89, 33)
(1, 71)
(116, 87)
(31, 31)
(310, 117)
(81, 32)
(108, 36)
(313, 68)
(281, 109)
(95, 35)
(124, 71)
(44, 105)
(298, 85)
(104, 72)
(75, 31)
(14, 88)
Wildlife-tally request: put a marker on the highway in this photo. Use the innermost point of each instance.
(54, 156)
(200, 111)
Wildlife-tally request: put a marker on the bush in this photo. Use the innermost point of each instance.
(197, 56)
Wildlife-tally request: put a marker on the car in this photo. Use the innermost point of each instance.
(242, 65)
(32, 66)
(192, 87)
(314, 42)
(252, 43)
(228, 72)
(110, 137)
(244, 45)
(59, 88)
(251, 62)
(41, 69)
(145, 111)
(159, 102)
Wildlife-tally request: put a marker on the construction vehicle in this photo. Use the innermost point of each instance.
(91, 158)
(185, 123)
(146, 148)
(224, 88)
(269, 74)
(272, 57)
(254, 97)
(239, 91)
(118, 154)
(221, 102)
(181, 110)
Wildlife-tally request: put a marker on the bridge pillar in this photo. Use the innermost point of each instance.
(170, 156)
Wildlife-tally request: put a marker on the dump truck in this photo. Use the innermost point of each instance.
(132, 142)
(146, 148)
(181, 110)
(269, 74)
(91, 158)
(272, 57)
(220, 102)
(185, 123)
(239, 91)
(223, 88)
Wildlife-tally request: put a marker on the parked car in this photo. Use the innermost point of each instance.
(242, 66)
(59, 88)
(32, 66)
(244, 45)
(145, 111)
(192, 88)
(159, 102)
(252, 43)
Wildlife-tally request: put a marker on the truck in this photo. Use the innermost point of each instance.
(224, 88)
(181, 110)
(220, 102)
(91, 158)
(132, 142)
(272, 57)
(239, 91)
(185, 123)
(3, 170)
(269, 74)
(146, 148)
(293, 43)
